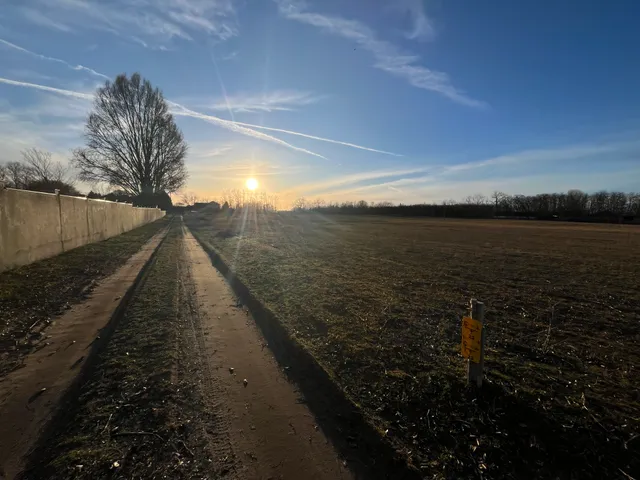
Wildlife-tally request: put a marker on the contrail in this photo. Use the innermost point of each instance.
(237, 127)
(313, 137)
(53, 59)
(59, 91)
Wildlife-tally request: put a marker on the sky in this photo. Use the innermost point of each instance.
(383, 100)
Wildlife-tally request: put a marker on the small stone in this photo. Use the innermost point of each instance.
(245, 382)
(231, 370)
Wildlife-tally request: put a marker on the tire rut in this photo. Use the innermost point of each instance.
(216, 428)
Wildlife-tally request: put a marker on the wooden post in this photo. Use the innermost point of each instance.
(475, 370)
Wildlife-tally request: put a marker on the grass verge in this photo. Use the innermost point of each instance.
(32, 294)
(137, 414)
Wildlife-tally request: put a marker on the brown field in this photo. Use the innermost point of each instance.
(378, 302)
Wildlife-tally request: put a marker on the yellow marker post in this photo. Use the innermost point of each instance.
(472, 346)
(471, 339)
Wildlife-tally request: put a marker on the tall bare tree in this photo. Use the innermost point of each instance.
(133, 142)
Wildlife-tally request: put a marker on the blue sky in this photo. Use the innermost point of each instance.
(382, 100)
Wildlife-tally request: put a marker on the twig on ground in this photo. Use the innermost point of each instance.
(106, 424)
(184, 445)
(629, 477)
(34, 324)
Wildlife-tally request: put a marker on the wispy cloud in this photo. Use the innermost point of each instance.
(153, 21)
(421, 26)
(353, 179)
(230, 56)
(244, 170)
(571, 152)
(277, 100)
(444, 178)
(37, 18)
(388, 57)
(82, 68)
(206, 151)
(22, 128)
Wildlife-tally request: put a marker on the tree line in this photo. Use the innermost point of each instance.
(258, 200)
(573, 205)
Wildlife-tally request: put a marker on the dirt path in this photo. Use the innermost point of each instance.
(29, 395)
(265, 425)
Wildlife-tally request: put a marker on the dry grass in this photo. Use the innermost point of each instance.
(378, 302)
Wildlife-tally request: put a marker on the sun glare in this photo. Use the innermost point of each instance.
(252, 183)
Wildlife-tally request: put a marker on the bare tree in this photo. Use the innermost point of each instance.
(18, 174)
(4, 176)
(42, 168)
(189, 198)
(300, 204)
(133, 142)
(476, 199)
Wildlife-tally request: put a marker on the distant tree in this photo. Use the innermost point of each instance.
(43, 174)
(318, 203)
(119, 196)
(477, 199)
(633, 203)
(300, 204)
(161, 200)
(18, 174)
(133, 142)
(51, 186)
(42, 167)
(95, 195)
(4, 177)
(189, 198)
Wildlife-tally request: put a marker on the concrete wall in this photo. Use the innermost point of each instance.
(36, 225)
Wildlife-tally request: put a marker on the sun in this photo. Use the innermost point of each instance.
(252, 183)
